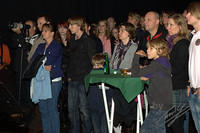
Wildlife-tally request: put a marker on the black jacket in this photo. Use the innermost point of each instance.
(18, 50)
(161, 33)
(80, 54)
(179, 57)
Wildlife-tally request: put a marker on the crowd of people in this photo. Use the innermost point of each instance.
(162, 48)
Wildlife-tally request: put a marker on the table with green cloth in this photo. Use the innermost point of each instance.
(130, 88)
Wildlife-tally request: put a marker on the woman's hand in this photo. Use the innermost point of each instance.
(48, 68)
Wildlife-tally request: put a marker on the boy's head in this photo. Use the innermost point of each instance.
(98, 60)
(76, 24)
(193, 13)
(156, 48)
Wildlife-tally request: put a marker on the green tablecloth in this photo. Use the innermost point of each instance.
(130, 87)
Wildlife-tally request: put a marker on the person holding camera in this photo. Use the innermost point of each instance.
(19, 49)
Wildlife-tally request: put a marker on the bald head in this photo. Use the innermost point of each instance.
(151, 21)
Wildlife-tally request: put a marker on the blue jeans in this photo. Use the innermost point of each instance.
(155, 122)
(180, 98)
(49, 110)
(97, 109)
(99, 121)
(77, 100)
(194, 103)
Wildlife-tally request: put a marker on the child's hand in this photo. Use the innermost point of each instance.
(144, 78)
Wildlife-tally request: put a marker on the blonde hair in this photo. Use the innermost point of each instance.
(98, 59)
(135, 16)
(181, 22)
(194, 9)
(78, 21)
(107, 32)
(160, 45)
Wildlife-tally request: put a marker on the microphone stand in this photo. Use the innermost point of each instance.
(21, 60)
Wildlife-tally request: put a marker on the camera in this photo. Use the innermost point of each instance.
(18, 24)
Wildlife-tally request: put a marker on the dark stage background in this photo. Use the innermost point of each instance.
(93, 10)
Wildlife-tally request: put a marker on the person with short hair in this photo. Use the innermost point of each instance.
(153, 30)
(193, 90)
(95, 98)
(40, 21)
(31, 34)
(81, 49)
(122, 58)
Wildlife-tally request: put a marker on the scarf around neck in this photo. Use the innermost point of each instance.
(120, 54)
(170, 39)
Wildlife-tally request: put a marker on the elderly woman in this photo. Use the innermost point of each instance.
(178, 43)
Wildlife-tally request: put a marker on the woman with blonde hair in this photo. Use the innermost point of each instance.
(178, 43)
(104, 35)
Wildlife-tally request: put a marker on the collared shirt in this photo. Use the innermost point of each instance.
(194, 60)
(33, 38)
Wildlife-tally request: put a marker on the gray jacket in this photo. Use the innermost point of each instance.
(36, 42)
(128, 58)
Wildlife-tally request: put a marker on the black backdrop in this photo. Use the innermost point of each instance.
(93, 10)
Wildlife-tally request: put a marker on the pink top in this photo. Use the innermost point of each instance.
(106, 45)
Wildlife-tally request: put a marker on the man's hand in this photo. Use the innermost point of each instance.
(197, 92)
(188, 90)
(141, 53)
(69, 79)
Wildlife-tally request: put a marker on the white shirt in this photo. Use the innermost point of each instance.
(194, 60)
(32, 39)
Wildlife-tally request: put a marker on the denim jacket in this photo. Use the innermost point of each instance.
(41, 85)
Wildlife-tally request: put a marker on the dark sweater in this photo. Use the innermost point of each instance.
(179, 61)
(80, 54)
(160, 84)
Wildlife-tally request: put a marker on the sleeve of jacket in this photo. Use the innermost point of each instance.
(181, 57)
(56, 52)
(138, 72)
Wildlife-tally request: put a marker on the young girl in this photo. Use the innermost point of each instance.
(160, 85)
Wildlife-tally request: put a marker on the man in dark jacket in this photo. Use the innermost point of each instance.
(153, 30)
(82, 48)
